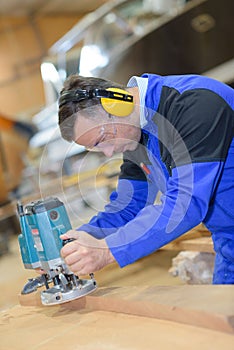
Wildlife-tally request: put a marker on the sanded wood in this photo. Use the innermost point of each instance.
(57, 327)
(205, 306)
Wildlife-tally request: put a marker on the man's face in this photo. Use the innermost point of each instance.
(108, 134)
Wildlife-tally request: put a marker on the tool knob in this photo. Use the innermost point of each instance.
(68, 240)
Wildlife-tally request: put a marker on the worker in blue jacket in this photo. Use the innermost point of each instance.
(176, 134)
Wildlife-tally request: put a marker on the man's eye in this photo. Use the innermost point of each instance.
(99, 141)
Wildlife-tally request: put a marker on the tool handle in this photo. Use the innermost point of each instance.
(68, 240)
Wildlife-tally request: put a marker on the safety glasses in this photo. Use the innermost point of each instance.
(105, 138)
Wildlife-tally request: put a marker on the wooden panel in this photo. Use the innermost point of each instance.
(205, 306)
(56, 328)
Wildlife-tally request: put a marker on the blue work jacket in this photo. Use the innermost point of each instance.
(186, 154)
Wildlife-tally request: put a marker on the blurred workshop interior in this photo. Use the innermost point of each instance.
(42, 42)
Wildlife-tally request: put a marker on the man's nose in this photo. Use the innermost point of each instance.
(108, 150)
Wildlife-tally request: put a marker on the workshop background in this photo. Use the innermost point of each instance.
(43, 41)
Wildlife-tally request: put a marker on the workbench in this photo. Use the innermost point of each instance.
(117, 318)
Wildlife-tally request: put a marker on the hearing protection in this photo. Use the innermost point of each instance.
(115, 101)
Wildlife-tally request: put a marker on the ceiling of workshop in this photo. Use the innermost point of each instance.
(47, 7)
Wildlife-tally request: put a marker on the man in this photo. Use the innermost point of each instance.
(177, 138)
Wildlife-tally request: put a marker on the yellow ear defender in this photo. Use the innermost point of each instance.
(115, 101)
(119, 103)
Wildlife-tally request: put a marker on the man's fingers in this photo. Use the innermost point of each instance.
(69, 248)
(70, 234)
(79, 268)
(72, 258)
(85, 254)
(79, 264)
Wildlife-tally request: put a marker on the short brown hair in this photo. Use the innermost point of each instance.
(68, 112)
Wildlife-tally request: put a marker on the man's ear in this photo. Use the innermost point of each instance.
(120, 103)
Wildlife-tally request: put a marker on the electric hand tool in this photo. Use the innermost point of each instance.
(42, 223)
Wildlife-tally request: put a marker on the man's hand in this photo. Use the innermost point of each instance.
(85, 254)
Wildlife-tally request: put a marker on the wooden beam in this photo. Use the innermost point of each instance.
(199, 244)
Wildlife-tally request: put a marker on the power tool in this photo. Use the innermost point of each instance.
(42, 222)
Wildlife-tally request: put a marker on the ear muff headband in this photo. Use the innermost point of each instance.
(115, 101)
(73, 96)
